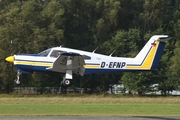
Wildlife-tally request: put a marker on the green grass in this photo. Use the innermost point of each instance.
(91, 105)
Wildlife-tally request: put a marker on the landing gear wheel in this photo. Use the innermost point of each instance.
(66, 82)
(17, 81)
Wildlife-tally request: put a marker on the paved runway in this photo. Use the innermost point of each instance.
(87, 118)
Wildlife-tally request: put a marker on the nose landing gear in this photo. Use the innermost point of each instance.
(17, 81)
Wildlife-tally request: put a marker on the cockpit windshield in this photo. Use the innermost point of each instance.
(55, 53)
(45, 52)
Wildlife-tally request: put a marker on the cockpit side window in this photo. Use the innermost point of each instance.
(86, 57)
(45, 52)
(55, 53)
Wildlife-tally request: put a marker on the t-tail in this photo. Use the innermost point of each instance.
(148, 58)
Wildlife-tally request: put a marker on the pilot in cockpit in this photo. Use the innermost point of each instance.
(58, 53)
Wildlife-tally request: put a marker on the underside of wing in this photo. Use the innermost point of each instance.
(69, 61)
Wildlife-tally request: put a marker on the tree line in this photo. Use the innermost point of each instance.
(30, 26)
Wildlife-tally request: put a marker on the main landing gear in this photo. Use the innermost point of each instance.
(17, 81)
(68, 76)
(64, 84)
(66, 80)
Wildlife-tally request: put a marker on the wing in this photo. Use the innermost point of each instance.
(69, 61)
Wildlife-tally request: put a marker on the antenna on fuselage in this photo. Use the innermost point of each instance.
(95, 50)
(112, 53)
(61, 46)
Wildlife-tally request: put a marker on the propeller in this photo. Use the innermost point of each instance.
(10, 60)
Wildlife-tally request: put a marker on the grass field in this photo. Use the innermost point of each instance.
(90, 105)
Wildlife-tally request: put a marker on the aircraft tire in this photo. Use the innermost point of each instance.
(17, 81)
(66, 82)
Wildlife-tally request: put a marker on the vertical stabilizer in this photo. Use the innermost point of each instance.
(148, 58)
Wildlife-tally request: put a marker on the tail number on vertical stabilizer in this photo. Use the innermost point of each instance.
(113, 65)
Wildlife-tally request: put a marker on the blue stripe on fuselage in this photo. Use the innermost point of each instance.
(99, 71)
(32, 68)
(28, 55)
(142, 61)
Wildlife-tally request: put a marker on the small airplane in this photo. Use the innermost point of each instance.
(68, 61)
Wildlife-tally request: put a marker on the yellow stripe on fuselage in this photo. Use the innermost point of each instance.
(91, 66)
(149, 59)
(47, 64)
(42, 64)
(33, 63)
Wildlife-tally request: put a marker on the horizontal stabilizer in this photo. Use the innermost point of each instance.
(164, 39)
